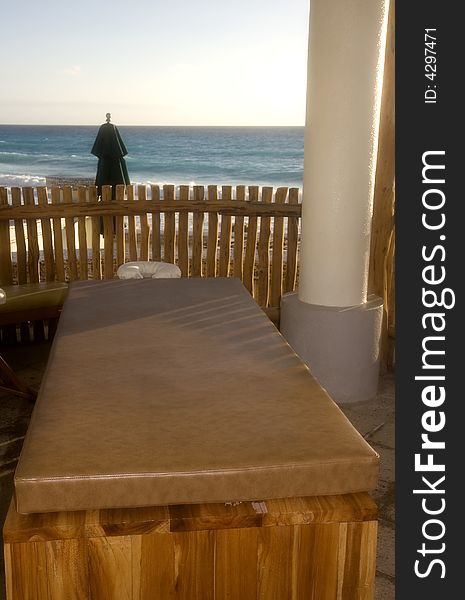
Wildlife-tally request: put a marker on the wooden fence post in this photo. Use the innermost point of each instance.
(6, 272)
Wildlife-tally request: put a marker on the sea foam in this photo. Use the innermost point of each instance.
(10, 180)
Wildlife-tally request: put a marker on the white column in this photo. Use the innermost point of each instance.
(331, 323)
(345, 65)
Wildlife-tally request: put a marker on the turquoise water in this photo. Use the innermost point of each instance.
(159, 155)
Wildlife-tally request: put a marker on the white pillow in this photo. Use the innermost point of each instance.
(148, 269)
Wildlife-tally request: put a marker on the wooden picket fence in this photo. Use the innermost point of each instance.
(247, 232)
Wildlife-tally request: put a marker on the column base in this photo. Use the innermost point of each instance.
(340, 345)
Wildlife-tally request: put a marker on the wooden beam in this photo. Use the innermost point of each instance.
(138, 207)
(384, 197)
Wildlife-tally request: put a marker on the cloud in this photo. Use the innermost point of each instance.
(73, 71)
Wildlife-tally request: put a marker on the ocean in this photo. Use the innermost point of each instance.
(157, 155)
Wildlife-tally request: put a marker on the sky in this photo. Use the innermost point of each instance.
(153, 62)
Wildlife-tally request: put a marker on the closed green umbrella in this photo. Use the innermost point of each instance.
(110, 150)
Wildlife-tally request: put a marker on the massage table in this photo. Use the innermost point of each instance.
(179, 448)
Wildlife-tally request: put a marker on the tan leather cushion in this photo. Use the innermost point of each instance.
(180, 391)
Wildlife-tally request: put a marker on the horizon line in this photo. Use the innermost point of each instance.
(129, 125)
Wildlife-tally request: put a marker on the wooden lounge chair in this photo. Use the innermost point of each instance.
(27, 302)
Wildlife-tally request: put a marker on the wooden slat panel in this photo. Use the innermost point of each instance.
(27, 557)
(225, 240)
(70, 237)
(127, 521)
(21, 258)
(82, 236)
(292, 240)
(43, 526)
(11, 584)
(276, 286)
(112, 567)
(47, 240)
(197, 234)
(198, 517)
(58, 238)
(249, 262)
(194, 565)
(132, 226)
(156, 242)
(6, 270)
(315, 561)
(184, 566)
(54, 570)
(158, 577)
(144, 225)
(169, 239)
(275, 562)
(319, 509)
(108, 241)
(357, 559)
(92, 523)
(67, 560)
(212, 242)
(120, 233)
(183, 235)
(239, 235)
(96, 261)
(236, 564)
(263, 269)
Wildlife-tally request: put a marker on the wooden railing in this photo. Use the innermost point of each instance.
(246, 232)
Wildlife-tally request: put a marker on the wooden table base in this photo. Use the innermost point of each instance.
(318, 548)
